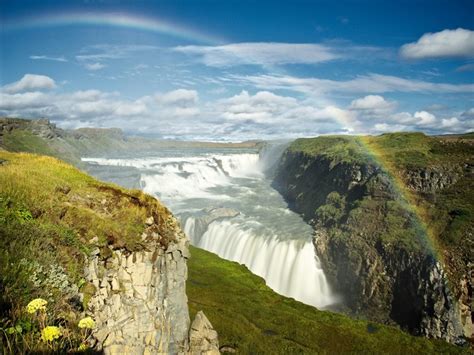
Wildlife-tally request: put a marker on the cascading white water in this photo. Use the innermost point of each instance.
(228, 207)
(290, 267)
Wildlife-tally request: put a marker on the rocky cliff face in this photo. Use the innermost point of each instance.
(140, 302)
(139, 298)
(367, 241)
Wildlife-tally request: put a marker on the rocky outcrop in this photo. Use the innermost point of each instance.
(430, 180)
(365, 239)
(140, 303)
(202, 337)
(42, 127)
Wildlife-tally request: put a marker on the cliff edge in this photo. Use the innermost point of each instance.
(90, 249)
(393, 224)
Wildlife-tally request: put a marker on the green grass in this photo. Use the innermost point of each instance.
(253, 319)
(338, 148)
(25, 141)
(51, 216)
(447, 213)
(404, 149)
(419, 150)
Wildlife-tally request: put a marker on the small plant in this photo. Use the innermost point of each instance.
(36, 305)
(50, 333)
(86, 324)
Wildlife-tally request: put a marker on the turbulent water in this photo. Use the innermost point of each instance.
(227, 206)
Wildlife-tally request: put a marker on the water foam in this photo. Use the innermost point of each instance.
(266, 236)
(289, 267)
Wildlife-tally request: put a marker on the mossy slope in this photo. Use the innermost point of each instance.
(253, 319)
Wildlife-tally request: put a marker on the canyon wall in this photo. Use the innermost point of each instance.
(372, 244)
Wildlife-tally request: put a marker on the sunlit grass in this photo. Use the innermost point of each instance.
(253, 319)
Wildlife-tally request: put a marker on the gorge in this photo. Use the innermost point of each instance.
(340, 237)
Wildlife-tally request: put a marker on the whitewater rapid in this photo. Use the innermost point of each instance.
(227, 206)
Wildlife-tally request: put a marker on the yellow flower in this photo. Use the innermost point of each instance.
(50, 333)
(36, 304)
(87, 323)
(83, 347)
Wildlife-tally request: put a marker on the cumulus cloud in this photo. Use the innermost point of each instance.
(449, 122)
(265, 53)
(282, 115)
(386, 127)
(247, 115)
(180, 97)
(447, 43)
(371, 105)
(30, 82)
(425, 118)
(469, 114)
(20, 101)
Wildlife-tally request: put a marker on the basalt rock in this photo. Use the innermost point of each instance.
(381, 273)
(202, 337)
(139, 301)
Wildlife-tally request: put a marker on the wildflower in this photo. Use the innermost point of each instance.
(83, 347)
(36, 304)
(50, 333)
(87, 323)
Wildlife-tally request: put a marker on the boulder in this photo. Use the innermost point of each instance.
(202, 336)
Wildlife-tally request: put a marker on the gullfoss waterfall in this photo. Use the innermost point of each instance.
(227, 206)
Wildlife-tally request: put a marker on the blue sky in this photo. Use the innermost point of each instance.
(236, 70)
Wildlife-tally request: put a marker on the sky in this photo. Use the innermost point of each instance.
(240, 70)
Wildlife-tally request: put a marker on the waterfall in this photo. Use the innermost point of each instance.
(227, 206)
(289, 267)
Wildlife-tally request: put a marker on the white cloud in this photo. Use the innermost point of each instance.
(469, 114)
(370, 84)
(263, 114)
(94, 66)
(425, 118)
(447, 43)
(373, 105)
(265, 53)
(385, 127)
(30, 82)
(284, 116)
(45, 57)
(180, 97)
(449, 122)
(19, 101)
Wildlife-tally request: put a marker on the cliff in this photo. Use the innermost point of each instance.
(393, 225)
(91, 249)
(119, 256)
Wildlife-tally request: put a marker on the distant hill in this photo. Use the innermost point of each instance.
(43, 137)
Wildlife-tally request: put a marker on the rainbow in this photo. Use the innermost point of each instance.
(114, 19)
(408, 199)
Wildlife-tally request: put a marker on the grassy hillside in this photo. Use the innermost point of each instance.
(42, 137)
(338, 148)
(51, 216)
(427, 179)
(451, 214)
(253, 319)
